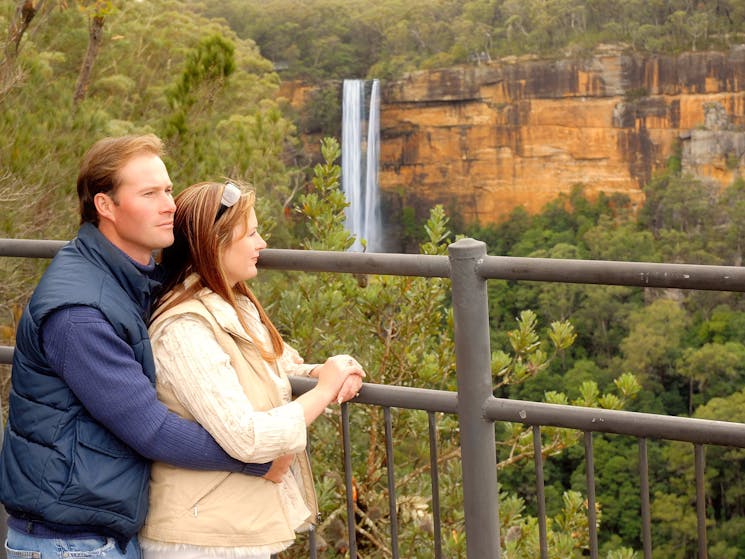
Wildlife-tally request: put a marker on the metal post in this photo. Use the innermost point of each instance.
(347, 446)
(392, 511)
(435, 475)
(592, 517)
(3, 514)
(473, 363)
(700, 466)
(644, 489)
(540, 491)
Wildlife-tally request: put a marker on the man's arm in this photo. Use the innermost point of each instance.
(100, 368)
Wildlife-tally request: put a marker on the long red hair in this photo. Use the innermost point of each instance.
(200, 241)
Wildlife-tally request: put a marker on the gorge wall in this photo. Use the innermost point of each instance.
(484, 139)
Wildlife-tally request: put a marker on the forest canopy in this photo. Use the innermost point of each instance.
(322, 39)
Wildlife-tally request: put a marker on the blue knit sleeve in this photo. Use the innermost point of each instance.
(100, 369)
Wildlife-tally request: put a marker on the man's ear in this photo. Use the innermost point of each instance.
(104, 205)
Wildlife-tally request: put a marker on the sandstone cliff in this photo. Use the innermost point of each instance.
(484, 139)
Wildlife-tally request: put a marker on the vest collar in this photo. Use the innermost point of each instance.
(138, 281)
(222, 311)
(225, 314)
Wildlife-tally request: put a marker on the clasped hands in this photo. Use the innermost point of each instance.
(340, 377)
(343, 369)
(342, 373)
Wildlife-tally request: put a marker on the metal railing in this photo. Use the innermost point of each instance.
(469, 268)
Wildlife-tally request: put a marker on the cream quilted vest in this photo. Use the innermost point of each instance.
(222, 508)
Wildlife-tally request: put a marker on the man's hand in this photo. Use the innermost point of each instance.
(280, 466)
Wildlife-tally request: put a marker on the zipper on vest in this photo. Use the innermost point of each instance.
(210, 489)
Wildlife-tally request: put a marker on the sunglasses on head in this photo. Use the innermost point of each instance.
(230, 195)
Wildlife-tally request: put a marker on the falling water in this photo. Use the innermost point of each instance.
(359, 162)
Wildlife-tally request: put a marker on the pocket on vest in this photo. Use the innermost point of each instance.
(106, 475)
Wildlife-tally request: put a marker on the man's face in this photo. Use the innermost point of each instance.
(138, 217)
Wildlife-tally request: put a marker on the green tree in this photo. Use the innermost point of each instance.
(733, 207)
(206, 67)
(712, 368)
(724, 474)
(653, 344)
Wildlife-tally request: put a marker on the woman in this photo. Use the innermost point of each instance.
(221, 362)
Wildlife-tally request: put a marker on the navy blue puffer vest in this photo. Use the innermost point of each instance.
(57, 463)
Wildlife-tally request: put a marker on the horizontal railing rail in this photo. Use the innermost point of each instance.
(595, 420)
(604, 272)
(597, 272)
(636, 424)
(469, 268)
(29, 248)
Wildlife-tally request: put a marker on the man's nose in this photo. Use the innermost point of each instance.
(170, 205)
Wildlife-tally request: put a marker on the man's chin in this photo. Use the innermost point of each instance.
(164, 242)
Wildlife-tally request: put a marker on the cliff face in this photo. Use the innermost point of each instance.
(483, 139)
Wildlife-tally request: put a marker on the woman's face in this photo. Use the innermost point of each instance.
(240, 257)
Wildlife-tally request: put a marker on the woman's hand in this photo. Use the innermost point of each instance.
(350, 389)
(339, 380)
(340, 377)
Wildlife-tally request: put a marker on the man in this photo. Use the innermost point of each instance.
(84, 421)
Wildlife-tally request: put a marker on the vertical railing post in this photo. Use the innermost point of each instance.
(473, 365)
(3, 514)
(700, 467)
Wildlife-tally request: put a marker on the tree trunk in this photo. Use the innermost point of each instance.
(95, 37)
(25, 12)
(10, 75)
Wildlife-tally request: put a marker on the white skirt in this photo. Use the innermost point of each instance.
(207, 553)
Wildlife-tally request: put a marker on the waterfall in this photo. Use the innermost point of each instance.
(360, 136)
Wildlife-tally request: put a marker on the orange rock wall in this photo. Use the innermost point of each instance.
(484, 139)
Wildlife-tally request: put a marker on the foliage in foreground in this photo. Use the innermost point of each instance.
(400, 328)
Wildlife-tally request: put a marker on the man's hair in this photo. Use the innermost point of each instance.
(100, 166)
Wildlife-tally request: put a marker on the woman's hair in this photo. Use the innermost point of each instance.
(100, 166)
(201, 236)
